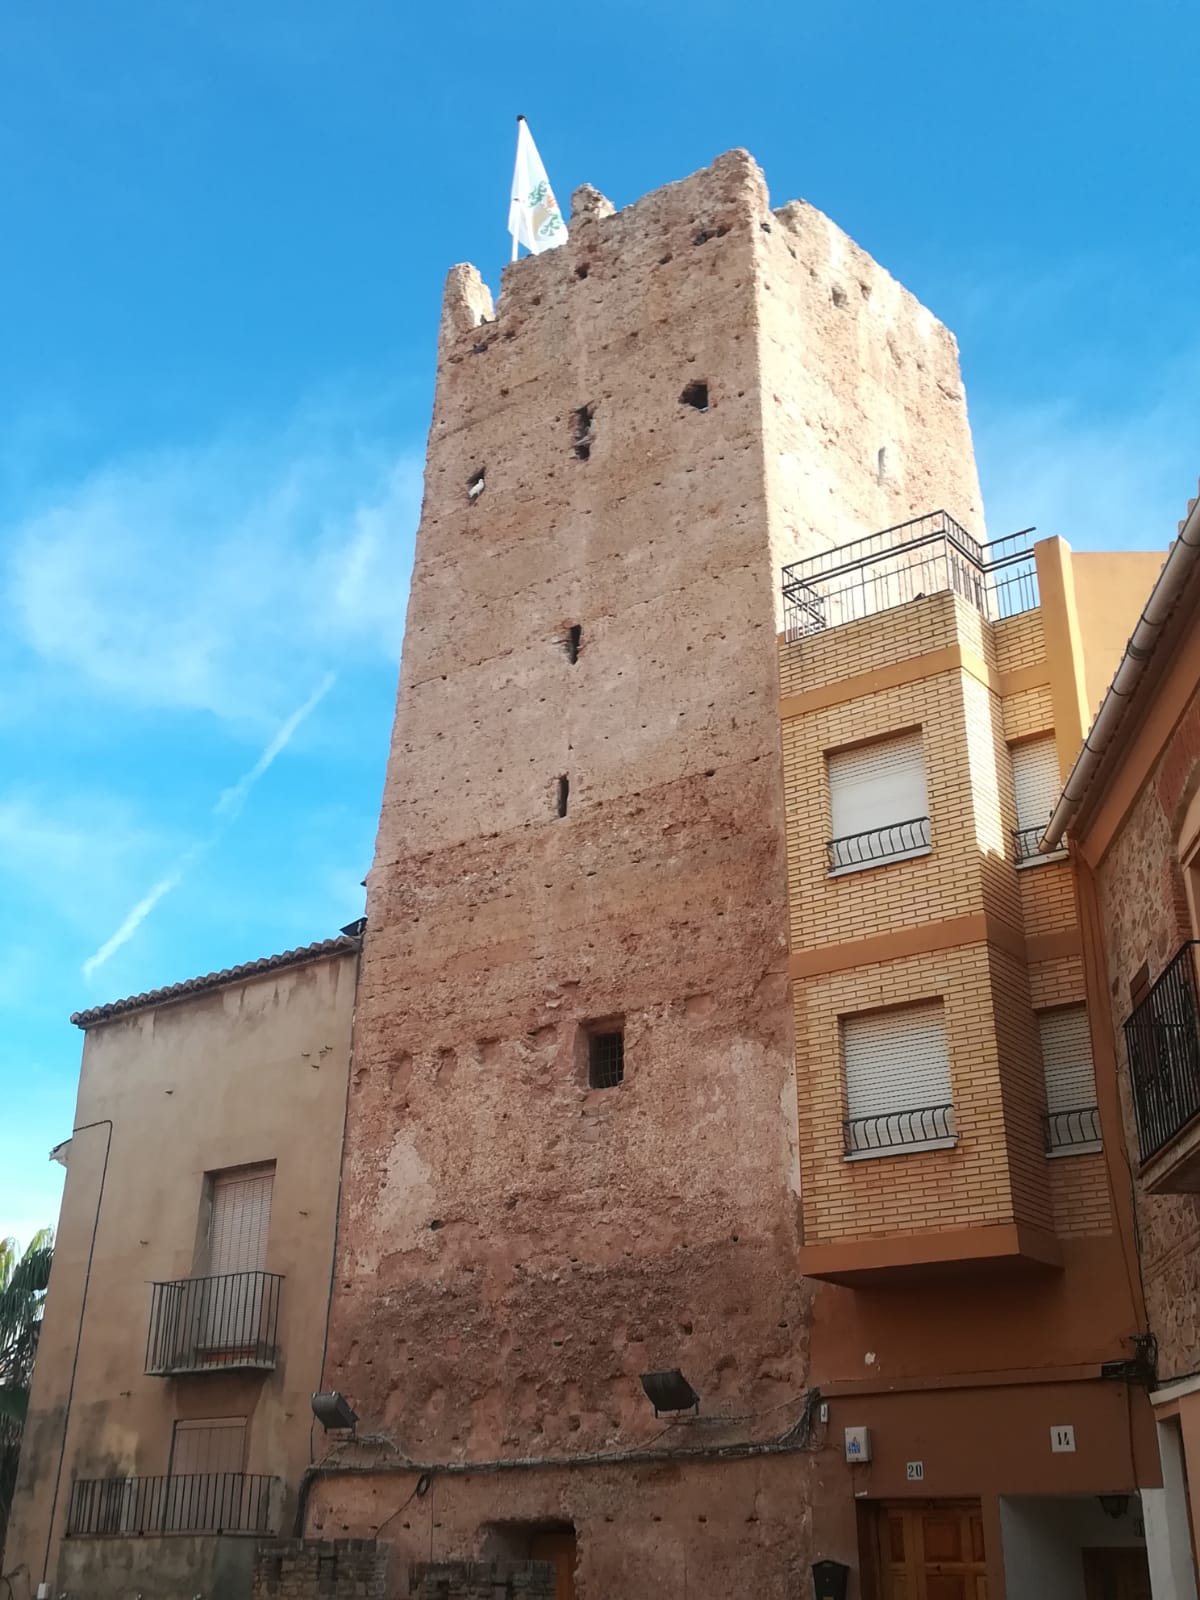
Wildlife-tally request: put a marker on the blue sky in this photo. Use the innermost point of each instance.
(225, 228)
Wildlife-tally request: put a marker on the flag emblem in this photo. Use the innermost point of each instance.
(534, 217)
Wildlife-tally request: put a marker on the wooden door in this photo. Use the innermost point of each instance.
(558, 1547)
(931, 1550)
(1116, 1574)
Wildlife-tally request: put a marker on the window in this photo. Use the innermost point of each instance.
(1072, 1121)
(879, 804)
(211, 1444)
(897, 1081)
(236, 1299)
(606, 1058)
(241, 1217)
(1037, 784)
(204, 1486)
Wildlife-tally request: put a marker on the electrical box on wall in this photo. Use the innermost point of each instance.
(858, 1444)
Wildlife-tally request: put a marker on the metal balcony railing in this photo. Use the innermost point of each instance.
(208, 1502)
(894, 1130)
(1079, 1125)
(1162, 1037)
(926, 556)
(204, 1324)
(1026, 841)
(893, 843)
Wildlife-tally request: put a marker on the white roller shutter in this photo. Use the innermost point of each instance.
(1036, 781)
(897, 1068)
(241, 1217)
(872, 790)
(1067, 1059)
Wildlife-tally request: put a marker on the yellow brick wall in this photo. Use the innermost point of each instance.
(998, 1172)
(1047, 897)
(968, 1186)
(1028, 712)
(1082, 1205)
(902, 634)
(1056, 983)
(1019, 641)
(827, 910)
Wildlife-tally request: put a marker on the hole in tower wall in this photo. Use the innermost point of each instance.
(881, 463)
(696, 396)
(562, 794)
(581, 432)
(572, 641)
(582, 270)
(475, 484)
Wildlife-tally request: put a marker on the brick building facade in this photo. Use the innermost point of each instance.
(607, 825)
(1132, 810)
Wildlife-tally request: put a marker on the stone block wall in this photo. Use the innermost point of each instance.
(1144, 908)
(483, 1580)
(320, 1569)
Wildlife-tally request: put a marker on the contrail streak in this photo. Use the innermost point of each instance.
(227, 809)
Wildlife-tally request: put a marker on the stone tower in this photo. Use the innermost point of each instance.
(582, 842)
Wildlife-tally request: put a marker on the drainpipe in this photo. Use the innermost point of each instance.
(104, 1122)
(1182, 559)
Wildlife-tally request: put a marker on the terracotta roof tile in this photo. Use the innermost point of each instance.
(216, 980)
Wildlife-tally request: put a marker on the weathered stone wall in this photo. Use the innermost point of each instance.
(482, 1580)
(516, 1247)
(319, 1569)
(154, 1568)
(1144, 906)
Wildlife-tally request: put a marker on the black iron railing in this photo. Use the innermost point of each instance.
(1162, 1037)
(199, 1324)
(893, 1130)
(926, 556)
(881, 844)
(207, 1502)
(1075, 1126)
(1026, 841)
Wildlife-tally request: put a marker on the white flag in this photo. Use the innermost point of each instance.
(534, 219)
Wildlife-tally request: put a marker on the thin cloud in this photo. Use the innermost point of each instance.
(232, 800)
(211, 578)
(227, 809)
(142, 910)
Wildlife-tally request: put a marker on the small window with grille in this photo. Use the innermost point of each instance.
(606, 1056)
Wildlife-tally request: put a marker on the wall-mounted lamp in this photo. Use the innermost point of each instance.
(333, 1411)
(669, 1391)
(1114, 1505)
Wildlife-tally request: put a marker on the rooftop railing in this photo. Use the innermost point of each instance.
(928, 555)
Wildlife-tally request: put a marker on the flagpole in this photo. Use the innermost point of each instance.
(520, 120)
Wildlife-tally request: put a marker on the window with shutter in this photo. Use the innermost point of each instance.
(241, 1216)
(1037, 785)
(897, 1071)
(235, 1297)
(879, 804)
(1072, 1121)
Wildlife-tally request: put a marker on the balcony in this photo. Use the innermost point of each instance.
(209, 1502)
(1073, 1132)
(213, 1324)
(1162, 1039)
(899, 1132)
(1026, 842)
(899, 842)
(926, 556)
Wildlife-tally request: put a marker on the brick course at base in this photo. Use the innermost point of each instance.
(320, 1569)
(483, 1580)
